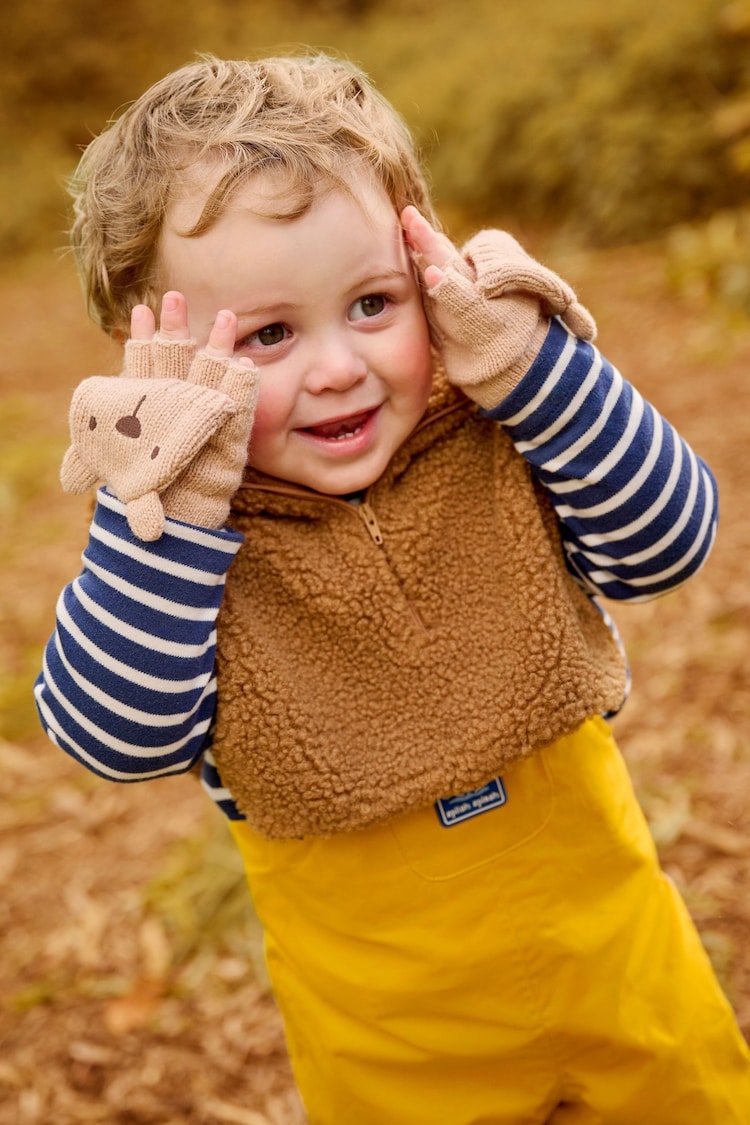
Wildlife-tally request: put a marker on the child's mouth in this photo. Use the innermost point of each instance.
(342, 428)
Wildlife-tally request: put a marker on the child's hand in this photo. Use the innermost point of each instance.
(170, 435)
(431, 250)
(488, 306)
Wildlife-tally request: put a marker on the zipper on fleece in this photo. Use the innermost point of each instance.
(367, 515)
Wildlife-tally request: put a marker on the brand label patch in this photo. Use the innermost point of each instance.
(454, 810)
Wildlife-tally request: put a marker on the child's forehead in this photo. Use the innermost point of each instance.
(213, 184)
(346, 238)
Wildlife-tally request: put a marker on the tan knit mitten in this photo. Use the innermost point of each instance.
(490, 314)
(168, 436)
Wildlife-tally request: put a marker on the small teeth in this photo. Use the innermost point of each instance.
(351, 433)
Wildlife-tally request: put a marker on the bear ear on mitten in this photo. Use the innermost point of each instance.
(502, 266)
(75, 477)
(144, 515)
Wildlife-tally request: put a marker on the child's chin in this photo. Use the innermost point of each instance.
(348, 479)
(345, 485)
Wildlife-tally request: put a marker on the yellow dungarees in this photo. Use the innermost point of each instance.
(529, 965)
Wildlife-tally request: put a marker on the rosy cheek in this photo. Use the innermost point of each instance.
(419, 360)
(262, 432)
(270, 413)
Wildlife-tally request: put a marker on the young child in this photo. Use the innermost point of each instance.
(377, 625)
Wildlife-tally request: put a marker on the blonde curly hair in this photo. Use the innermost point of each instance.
(309, 118)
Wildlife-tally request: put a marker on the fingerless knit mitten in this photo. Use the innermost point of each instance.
(490, 313)
(168, 436)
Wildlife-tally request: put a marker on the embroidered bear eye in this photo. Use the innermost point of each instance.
(154, 452)
(92, 422)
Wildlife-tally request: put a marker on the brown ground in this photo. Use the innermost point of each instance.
(131, 983)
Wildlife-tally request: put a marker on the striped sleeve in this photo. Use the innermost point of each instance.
(217, 790)
(128, 685)
(638, 508)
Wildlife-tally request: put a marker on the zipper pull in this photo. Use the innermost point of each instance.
(368, 518)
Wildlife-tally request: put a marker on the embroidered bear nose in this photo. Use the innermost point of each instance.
(129, 425)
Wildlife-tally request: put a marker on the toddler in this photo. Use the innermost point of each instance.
(360, 493)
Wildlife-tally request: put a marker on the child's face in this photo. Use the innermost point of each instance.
(329, 310)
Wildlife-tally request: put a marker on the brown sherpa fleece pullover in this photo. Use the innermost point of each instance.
(372, 660)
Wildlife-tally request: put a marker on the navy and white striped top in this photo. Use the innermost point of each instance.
(128, 684)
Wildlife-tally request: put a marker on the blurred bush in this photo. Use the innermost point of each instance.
(709, 263)
(636, 123)
(617, 122)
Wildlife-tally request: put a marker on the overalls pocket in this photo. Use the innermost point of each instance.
(455, 837)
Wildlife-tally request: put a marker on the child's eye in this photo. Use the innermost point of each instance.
(267, 337)
(371, 305)
(271, 334)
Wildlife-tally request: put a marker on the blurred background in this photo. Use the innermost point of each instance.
(614, 140)
(616, 121)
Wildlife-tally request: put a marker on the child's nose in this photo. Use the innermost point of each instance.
(334, 366)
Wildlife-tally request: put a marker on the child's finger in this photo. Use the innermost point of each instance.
(211, 368)
(138, 358)
(223, 335)
(172, 348)
(173, 322)
(434, 248)
(142, 324)
(432, 276)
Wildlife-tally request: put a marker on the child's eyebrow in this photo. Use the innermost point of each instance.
(272, 308)
(385, 275)
(281, 308)
(380, 276)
